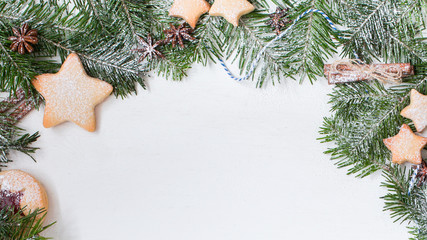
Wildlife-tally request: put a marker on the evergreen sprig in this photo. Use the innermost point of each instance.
(381, 28)
(300, 53)
(103, 34)
(365, 113)
(13, 138)
(403, 206)
(18, 226)
(105, 52)
(206, 46)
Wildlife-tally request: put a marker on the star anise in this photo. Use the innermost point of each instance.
(278, 19)
(23, 39)
(10, 200)
(178, 34)
(422, 173)
(148, 48)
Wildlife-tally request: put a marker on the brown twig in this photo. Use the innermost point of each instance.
(8, 103)
(22, 110)
(18, 106)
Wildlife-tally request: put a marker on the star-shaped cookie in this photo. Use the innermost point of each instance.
(417, 110)
(189, 10)
(71, 95)
(406, 146)
(231, 10)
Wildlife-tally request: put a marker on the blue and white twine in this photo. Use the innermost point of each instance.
(258, 57)
(413, 179)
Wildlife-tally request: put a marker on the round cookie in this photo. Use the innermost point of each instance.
(24, 189)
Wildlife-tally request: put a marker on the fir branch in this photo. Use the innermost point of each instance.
(109, 64)
(47, 12)
(116, 65)
(88, 13)
(318, 44)
(244, 42)
(375, 25)
(364, 114)
(18, 226)
(13, 138)
(18, 70)
(404, 207)
(207, 45)
(302, 52)
(93, 6)
(90, 58)
(132, 27)
(131, 17)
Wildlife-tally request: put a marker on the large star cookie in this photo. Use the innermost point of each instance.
(231, 10)
(406, 146)
(417, 110)
(189, 10)
(71, 95)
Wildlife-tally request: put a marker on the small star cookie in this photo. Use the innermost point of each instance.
(417, 110)
(71, 95)
(189, 10)
(406, 146)
(231, 10)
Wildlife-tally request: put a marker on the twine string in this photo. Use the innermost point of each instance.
(389, 74)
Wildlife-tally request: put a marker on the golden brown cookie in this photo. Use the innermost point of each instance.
(71, 95)
(231, 10)
(417, 110)
(20, 188)
(406, 146)
(189, 10)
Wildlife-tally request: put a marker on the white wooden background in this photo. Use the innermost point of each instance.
(207, 158)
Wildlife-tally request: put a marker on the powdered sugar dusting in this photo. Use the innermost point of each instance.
(231, 10)
(189, 10)
(406, 146)
(417, 110)
(71, 95)
(33, 195)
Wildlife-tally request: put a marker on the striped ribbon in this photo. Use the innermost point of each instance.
(413, 179)
(258, 57)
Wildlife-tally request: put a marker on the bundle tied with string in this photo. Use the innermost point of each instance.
(351, 70)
